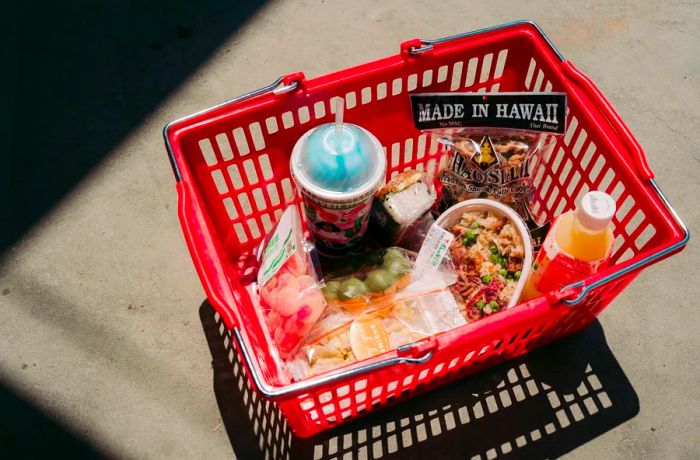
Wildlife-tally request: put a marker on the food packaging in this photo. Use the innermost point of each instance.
(382, 300)
(369, 334)
(400, 211)
(289, 284)
(452, 216)
(494, 143)
(375, 279)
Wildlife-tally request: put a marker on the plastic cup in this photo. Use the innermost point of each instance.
(338, 167)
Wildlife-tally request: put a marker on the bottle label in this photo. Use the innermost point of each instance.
(554, 268)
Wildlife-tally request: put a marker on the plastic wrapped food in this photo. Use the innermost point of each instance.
(382, 275)
(400, 208)
(371, 334)
(493, 165)
(492, 254)
(375, 279)
(494, 144)
(383, 300)
(289, 286)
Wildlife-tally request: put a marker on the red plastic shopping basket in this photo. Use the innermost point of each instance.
(231, 163)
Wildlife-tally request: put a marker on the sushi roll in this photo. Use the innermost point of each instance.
(400, 206)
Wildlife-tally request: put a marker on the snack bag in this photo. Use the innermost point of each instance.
(494, 142)
(288, 282)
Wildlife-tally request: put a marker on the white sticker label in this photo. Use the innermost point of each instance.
(435, 247)
(279, 248)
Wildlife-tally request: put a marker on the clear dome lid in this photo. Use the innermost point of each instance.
(334, 160)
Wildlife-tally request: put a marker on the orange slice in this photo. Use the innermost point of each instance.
(368, 337)
(403, 282)
(354, 305)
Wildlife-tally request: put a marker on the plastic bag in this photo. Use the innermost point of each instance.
(374, 279)
(288, 283)
(381, 301)
(494, 163)
(494, 144)
(370, 334)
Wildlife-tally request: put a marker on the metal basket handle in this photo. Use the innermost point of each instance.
(314, 382)
(284, 84)
(648, 260)
(418, 46)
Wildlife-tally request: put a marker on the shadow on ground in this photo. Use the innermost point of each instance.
(26, 432)
(541, 405)
(79, 76)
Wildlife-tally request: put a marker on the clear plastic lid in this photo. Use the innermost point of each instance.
(337, 160)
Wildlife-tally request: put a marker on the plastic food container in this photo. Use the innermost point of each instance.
(452, 215)
(231, 165)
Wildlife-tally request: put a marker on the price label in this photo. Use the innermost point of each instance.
(435, 247)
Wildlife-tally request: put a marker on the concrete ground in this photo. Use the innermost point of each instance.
(102, 349)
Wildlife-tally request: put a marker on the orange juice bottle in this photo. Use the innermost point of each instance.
(578, 245)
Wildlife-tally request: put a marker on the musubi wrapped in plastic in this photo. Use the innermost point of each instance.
(400, 211)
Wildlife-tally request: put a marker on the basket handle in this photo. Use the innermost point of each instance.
(568, 294)
(416, 46)
(613, 118)
(194, 223)
(575, 293)
(406, 355)
(284, 84)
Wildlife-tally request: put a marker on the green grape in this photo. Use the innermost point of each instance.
(351, 288)
(397, 266)
(379, 280)
(330, 290)
(393, 253)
